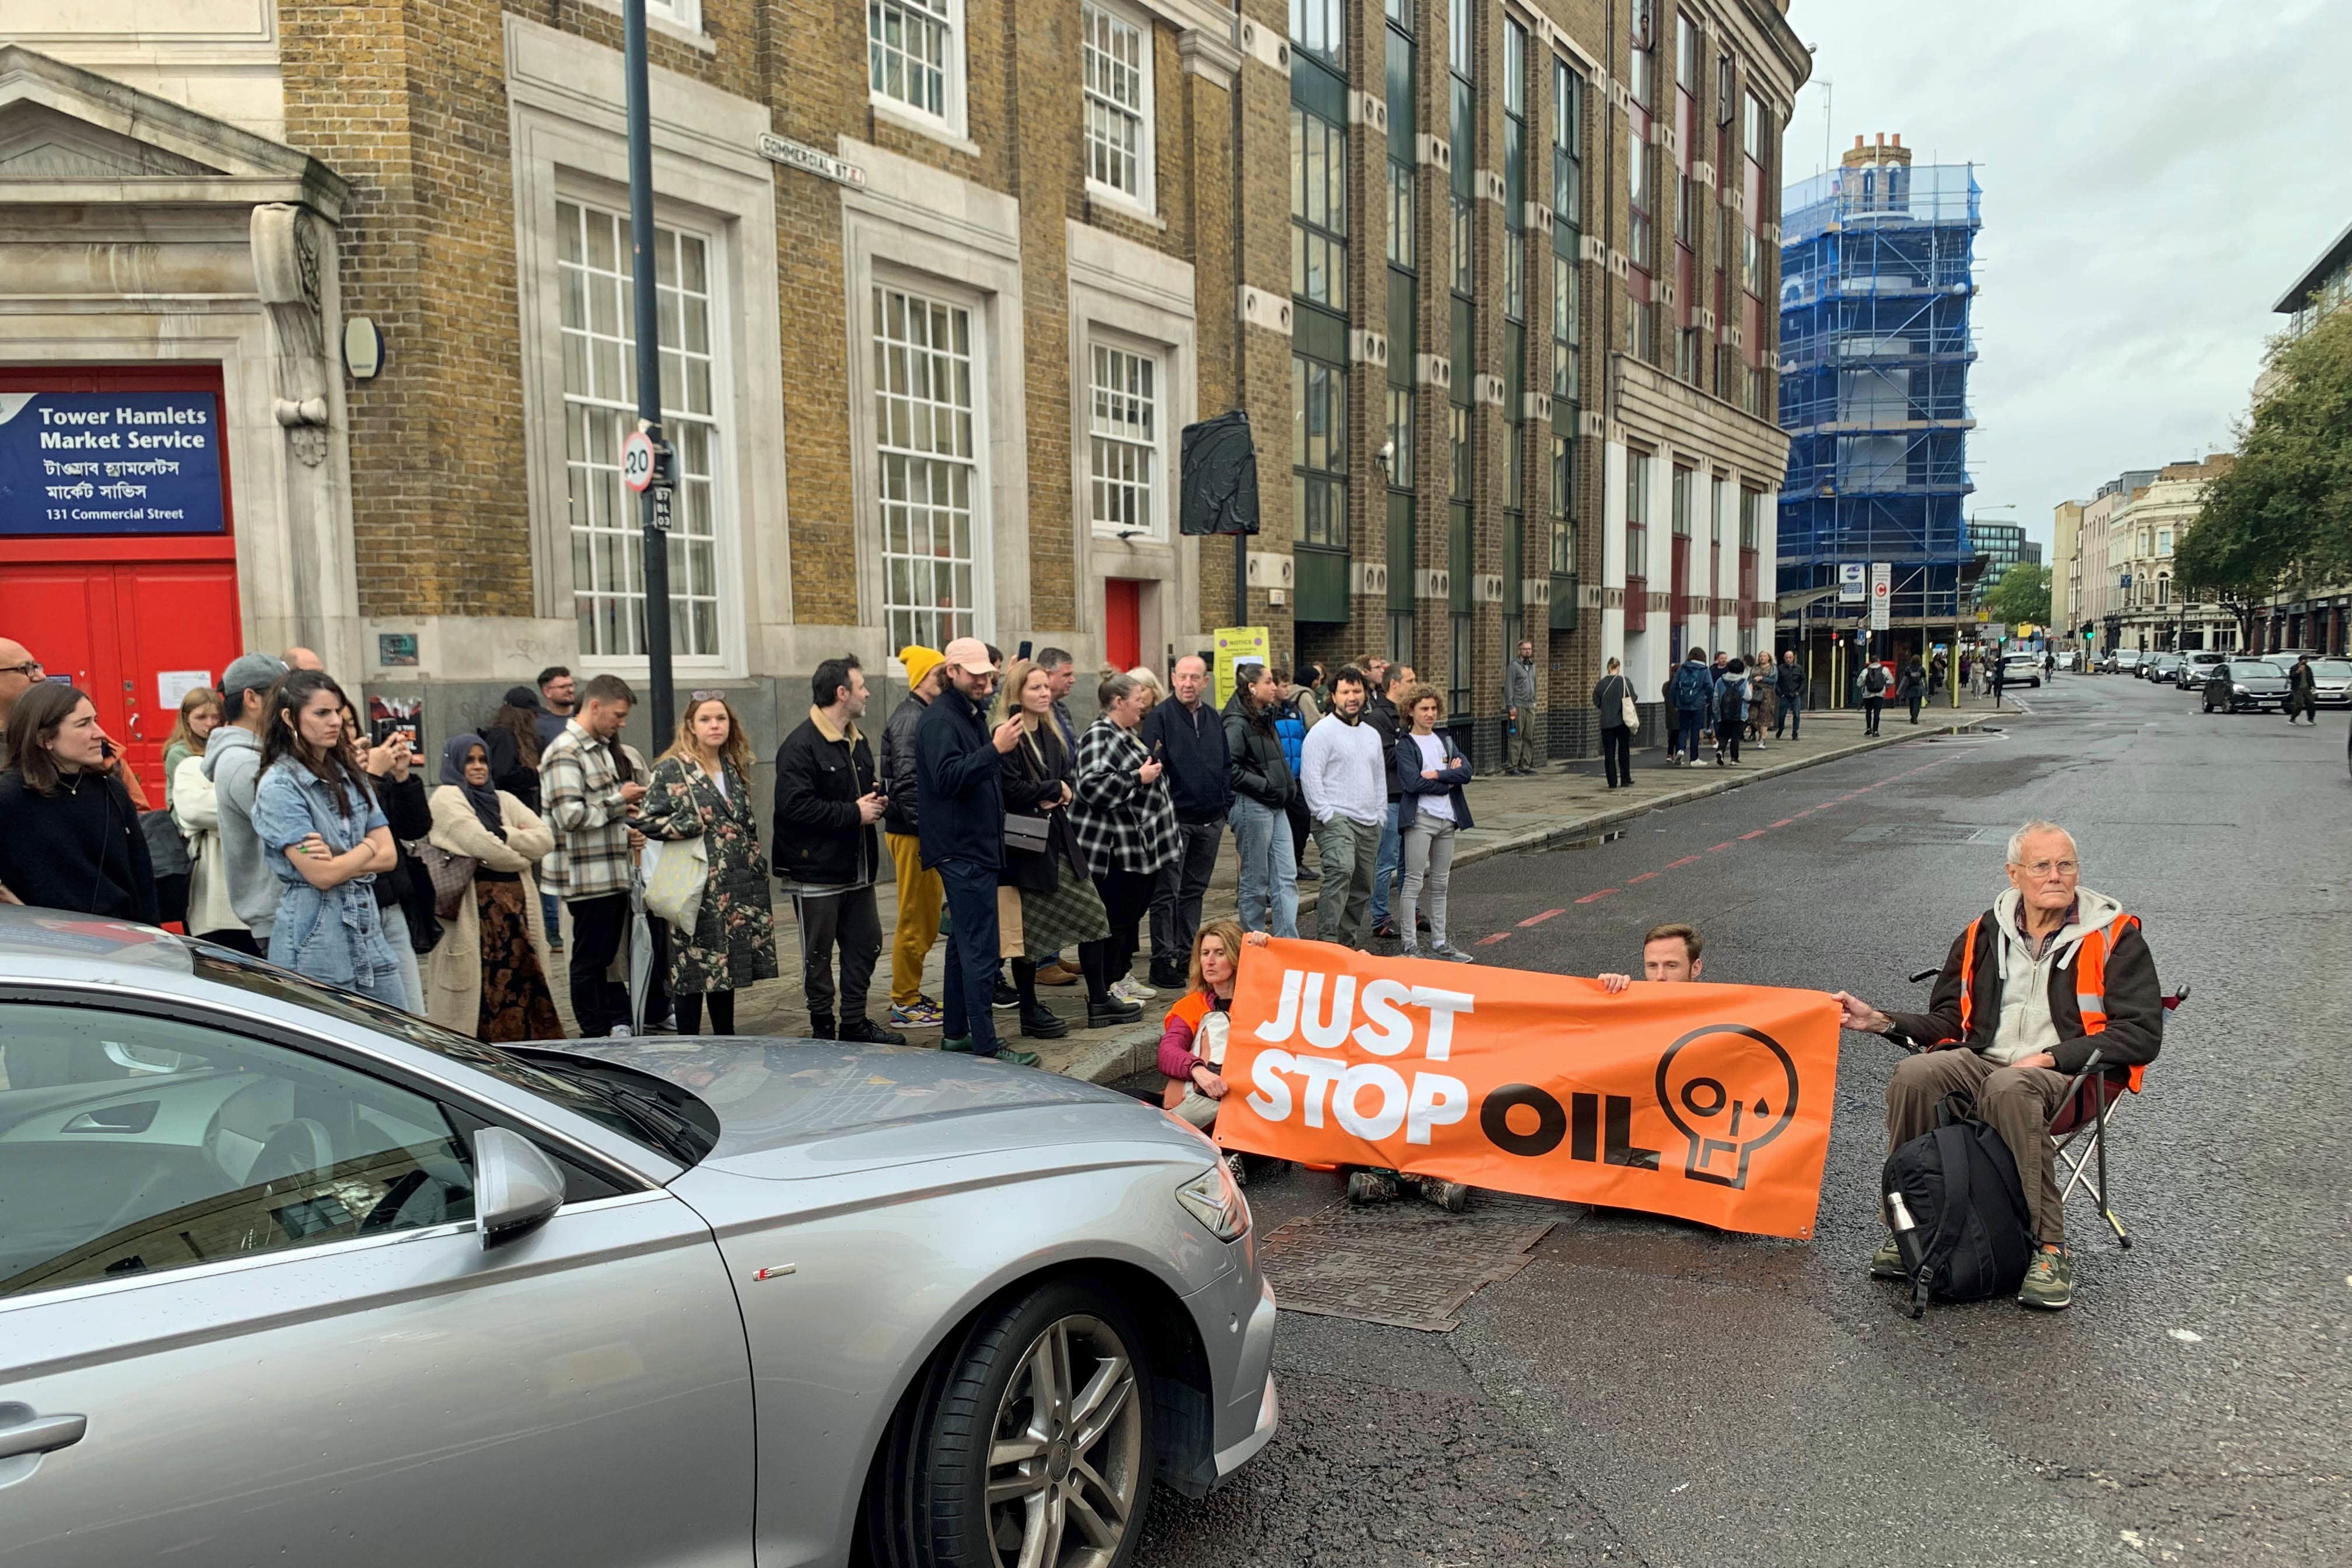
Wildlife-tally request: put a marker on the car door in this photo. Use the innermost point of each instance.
(246, 1317)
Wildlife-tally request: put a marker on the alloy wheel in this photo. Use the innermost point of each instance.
(1065, 1452)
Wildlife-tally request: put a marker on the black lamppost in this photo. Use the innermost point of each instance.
(656, 502)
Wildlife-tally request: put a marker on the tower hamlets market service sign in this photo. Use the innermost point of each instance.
(110, 462)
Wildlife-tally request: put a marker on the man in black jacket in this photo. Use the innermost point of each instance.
(962, 832)
(919, 896)
(1380, 713)
(1186, 734)
(1263, 786)
(2087, 993)
(1789, 681)
(828, 853)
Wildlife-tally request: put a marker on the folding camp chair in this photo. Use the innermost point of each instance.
(2086, 1112)
(2078, 1132)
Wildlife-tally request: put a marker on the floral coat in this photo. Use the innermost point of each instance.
(733, 942)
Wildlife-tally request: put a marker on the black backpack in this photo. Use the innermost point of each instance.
(1959, 1183)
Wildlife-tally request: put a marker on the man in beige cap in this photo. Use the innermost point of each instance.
(961, 826)
(920, 895)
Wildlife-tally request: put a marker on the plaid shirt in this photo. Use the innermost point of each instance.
(580, 791)
(1122, 822)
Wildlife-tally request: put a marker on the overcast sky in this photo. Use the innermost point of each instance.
(2156, 173)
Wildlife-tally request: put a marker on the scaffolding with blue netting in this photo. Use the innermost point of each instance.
(1877, 277)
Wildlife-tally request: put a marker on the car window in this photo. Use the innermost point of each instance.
(2255, 666)
(2332, 669)
(131, 1143)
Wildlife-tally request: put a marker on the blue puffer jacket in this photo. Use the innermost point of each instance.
(1290, 724)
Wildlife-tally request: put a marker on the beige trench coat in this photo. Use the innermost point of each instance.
(453, 970)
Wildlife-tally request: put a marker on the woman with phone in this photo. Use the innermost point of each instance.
(1431, 771)
(1042, 862)
(200, 715)
(326, 839)
(1127, 829)
(702, 789)
(70, 835)
(404, 895)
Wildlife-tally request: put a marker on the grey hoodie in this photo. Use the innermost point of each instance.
(232, 762)
(2026, 1025)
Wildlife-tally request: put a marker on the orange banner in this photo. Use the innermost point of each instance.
(1708, 1102)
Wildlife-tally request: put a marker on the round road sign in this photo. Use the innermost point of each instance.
(637, 461)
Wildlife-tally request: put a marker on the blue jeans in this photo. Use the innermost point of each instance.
(970, 989)
(1792, 714)
(1269, 879)
(1689, 723)
(1384, 874)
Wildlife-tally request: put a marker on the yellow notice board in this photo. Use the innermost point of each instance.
(1236, 646)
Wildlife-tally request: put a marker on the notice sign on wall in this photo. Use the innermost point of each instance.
(110, 462)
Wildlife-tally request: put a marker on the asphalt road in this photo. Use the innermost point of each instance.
(1649, 1391)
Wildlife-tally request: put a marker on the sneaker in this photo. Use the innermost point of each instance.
(1007, 998)
(1409, 950)
(821, 1026)
(1886, 1263)
(1126, 988)
(620, 1032)
(1386, 930)
(1308, 874)
(867, 1032)
(1451, 954)
(1057, 974)
(1454, 1197)
(1110, 1013)
(1370, 1187)
(1166, 979)
(1018, 1058)
(1239, 1171)
(2049, 1280)
(1042, 1024)
(921, 1015)
(956, 1043)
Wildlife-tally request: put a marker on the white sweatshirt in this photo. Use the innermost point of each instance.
(1345, 772)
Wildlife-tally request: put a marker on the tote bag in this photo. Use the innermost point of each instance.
(676, 871)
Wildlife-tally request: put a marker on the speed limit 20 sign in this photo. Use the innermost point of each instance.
(637, 461)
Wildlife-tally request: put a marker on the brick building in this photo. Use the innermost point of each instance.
(942, 282)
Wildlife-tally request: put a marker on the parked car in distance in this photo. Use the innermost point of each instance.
(2245, 683)
(2067, 659)
(2124, 661)
(286, 1274)
(2162, 666)
(2021, 669)
(2331, 682)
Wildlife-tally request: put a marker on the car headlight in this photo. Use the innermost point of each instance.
(2240, 690)
(1215, 1200)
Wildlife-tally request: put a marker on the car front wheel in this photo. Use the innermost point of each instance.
(1032, 1444)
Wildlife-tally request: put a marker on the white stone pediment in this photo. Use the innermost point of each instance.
(68, 134)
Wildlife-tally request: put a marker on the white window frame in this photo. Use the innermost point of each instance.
(685, 13)
(949, 120)
(1155, 450)
(1145, 197)
(982, 607)
(593, 465)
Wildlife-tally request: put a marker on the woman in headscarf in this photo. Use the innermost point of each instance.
(489, 975)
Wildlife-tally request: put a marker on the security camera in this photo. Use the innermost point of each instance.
(1386, 455)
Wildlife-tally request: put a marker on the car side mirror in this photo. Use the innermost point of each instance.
(516, 1185)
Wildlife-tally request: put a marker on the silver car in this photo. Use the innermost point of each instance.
(2331, 682)
(287, 1277)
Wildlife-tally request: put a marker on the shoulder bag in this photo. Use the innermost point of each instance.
(451, 876)
(1029, 832)
(1626, 708)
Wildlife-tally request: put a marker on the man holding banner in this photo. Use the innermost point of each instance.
(1669, 957)
(1707, 1102)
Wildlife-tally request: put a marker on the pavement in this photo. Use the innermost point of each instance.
(1560, 805)
(1650, 1391)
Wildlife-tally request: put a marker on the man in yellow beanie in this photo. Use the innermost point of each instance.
(919, 892)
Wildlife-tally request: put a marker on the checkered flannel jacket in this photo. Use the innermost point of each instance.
(580, 791)
(1122, 822)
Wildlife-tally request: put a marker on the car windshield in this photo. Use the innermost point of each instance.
(2332, 669)
(2254, 667)
(637, 1116)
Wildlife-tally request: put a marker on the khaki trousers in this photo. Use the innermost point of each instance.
(2016, 1102)
(919, 897)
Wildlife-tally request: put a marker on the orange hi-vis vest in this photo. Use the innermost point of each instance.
(2090, 981)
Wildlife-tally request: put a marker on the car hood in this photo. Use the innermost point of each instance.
(2260, 682)
(799, 1108)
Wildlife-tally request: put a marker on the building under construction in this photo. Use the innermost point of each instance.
(1876, 282)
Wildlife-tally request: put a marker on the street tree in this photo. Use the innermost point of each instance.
(2281, 516)
(2021, 596)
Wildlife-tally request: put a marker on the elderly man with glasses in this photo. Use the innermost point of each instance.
(20, 670)
(2052, 976)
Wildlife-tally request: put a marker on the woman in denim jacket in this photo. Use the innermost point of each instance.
(325, 837)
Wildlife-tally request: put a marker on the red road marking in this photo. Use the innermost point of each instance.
(1643, 878)
(1686, 861)
(1588, 898)
(1758, 834)
(1786, 820)
(1712, 847)
(1539, 920)
(1491, 940)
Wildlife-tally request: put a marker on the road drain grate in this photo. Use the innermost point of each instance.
(1408, 1264)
